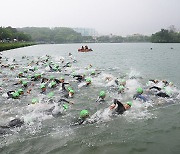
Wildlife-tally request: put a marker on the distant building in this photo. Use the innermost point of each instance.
(86, 31)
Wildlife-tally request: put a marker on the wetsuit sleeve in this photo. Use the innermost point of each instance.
(57, 81)
(116, 81)
(120, 109)
(154, 87)
(63, 100)
(50, 67)
(9, 93)
(63, 87)
(76, 76)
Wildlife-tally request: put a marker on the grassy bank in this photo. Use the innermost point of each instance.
(8, 46)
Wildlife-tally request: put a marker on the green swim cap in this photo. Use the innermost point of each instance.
(20, 73)
(73, 73)
(129, 103)
(51, 77)
(88, 80)
(25, 70)
(51, 94)
(69, 65)
(19, 91)
(34, 100)
(93, 73)
(35, 68)
(24, 83)
(29, 76)
(102, 94)
(42, 86)
(61, 78)
(122, 82)
(52, 84)
(15, 95)
(56, 66)
(70, 88)
(71, 91)
(84, 113)
(65, 106)
(36, 75)
(12, 67)
(121, 88)
(139, 90)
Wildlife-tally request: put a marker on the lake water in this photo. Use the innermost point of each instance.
(145, 128)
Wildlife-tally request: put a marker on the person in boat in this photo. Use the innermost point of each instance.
(82, 48)
(120, 108)
(86, 47)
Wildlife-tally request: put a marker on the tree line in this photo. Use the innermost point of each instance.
(9, 34)
(166, 36)
(68, 35)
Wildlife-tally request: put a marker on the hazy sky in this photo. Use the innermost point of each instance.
(121, 17)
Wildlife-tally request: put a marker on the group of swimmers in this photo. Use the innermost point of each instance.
(30, 81)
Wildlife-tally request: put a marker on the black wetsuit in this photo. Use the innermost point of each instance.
(10, 94)
(34, 78)
(78, 121)
(120, 109)
(64, 100)
(162, 94)
(99, 99)
(80, 78)
(44, 80)
(154, 87)
(12, 124)
(67, 65)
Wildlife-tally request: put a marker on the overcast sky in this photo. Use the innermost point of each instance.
(120, 17)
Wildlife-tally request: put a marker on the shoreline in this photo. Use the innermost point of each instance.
(9, 46)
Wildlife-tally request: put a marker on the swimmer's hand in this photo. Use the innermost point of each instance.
(71, 102)
(112, 106)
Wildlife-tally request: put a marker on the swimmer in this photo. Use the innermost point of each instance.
(79, 78)
(101, 97)
(120, 108)
(84, 114)
(6, 129)
(139, 95)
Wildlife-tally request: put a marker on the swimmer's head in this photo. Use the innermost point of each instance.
(20, 91)
(15, 95)
(24, 83)
(61, 79)
(88, 80)
(102, 94)
(123, 82)
(121, 88)
(139, 90)
(84, 114)
(71, 93)
(51, 77)
(34, 101)
(128, 105)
